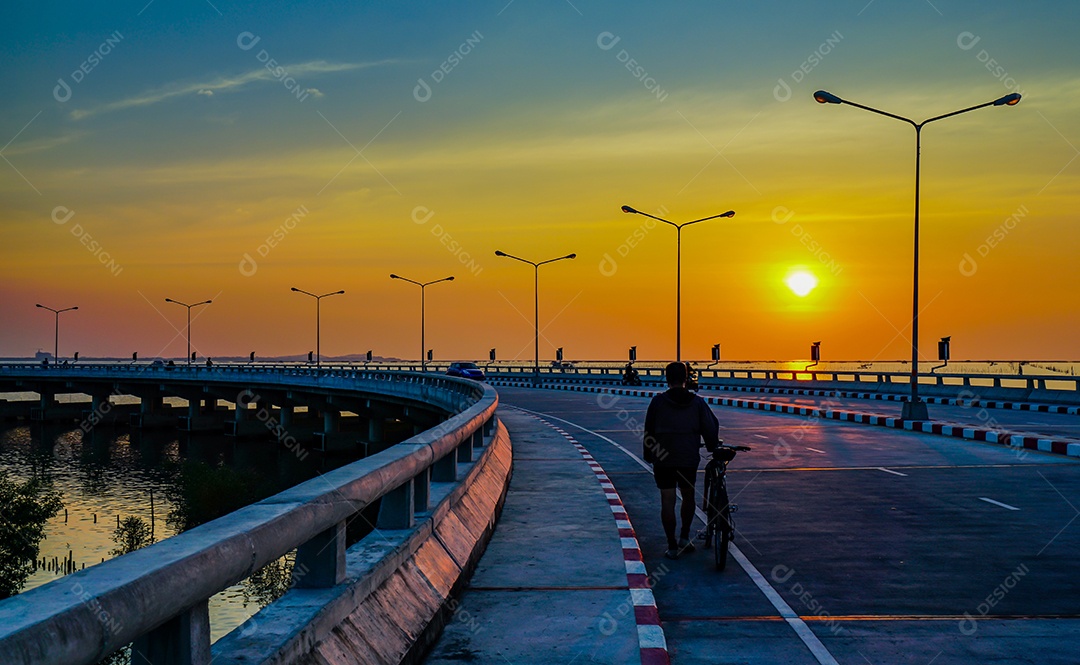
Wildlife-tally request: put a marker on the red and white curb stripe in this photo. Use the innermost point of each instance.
(1067, 447)
(651, 640)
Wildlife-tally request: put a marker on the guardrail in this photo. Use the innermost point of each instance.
(157, 597)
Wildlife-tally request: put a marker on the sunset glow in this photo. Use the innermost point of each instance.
(185, 154)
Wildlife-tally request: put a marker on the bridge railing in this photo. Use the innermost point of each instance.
(1049, 386)
(157, 597)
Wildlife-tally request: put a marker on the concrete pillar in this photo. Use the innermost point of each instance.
(375, 429)
(149, 404)
(322, 559)
(98, 403)
(48, 398)
(286, 416)
(182, 640)
(192, 410)
(209, 404)
(242, 412)
(396, 509)
(330, 421)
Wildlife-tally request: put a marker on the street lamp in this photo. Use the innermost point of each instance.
(915, 409)
(678, 268)
(56, 335)
(423, 362)
(536, 303)
(205, 302)
(318, 320)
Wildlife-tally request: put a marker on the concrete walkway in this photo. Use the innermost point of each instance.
(554, 585)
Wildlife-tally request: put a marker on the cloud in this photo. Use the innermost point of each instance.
(224, 83)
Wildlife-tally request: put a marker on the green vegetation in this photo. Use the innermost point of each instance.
(24, 510)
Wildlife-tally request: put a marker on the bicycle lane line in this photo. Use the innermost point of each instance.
(819, 651)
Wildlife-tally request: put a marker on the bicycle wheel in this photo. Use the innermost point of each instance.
(721, 523)
(708, 509)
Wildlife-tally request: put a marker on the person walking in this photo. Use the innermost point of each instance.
(675, 423)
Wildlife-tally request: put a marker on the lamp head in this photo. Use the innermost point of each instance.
(450, 278)
(729, 213)
(824, 97)
(571, 256)
(39, 305)
(393, 276)
(628, 209)
(340, 293)
(1008, 100)
(74, 308)
(294, 289)
(166, 300)
(499, 253)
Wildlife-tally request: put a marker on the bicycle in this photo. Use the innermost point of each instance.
(719, 524)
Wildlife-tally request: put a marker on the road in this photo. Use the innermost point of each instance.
(890, 546)
(1045, 424)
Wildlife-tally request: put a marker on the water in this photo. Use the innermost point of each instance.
(111, 473)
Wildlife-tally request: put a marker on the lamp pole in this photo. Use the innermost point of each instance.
(422, 285)
(915, 409)
(678, 267)
(318, 320)
(56, 332)
(536, 303)
(205, 302)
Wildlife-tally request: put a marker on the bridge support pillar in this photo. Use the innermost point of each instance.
(331, 420)
(286, 416)
(193, 408)
(209, 404)
(150, 404)
(320, 562)
(183, 640)
(375, 429)
(396, 509)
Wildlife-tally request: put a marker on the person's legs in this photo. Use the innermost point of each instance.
(686, 480)
(667, 516)
(666, 481)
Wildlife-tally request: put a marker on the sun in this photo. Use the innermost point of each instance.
(801, 282)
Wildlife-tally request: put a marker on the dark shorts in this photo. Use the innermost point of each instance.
(667, 477)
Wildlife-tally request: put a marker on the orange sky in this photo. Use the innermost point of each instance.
(535, 157)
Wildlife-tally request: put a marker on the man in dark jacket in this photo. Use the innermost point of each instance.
(675, 423)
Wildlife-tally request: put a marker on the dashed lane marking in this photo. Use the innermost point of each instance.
(998, 503)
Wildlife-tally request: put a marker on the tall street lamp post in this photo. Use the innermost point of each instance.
(536, 303)
(56, 333)
(177, 302)
(678, 268)
(422, 285)
(915, 409)
(318, 320)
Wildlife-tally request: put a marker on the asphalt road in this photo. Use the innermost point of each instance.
(1045, 424)
(889, 546)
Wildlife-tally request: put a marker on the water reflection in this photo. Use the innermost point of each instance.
(151, 485)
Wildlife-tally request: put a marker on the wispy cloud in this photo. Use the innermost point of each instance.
(224, 83)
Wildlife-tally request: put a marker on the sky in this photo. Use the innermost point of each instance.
(202, 149)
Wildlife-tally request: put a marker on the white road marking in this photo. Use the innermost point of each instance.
(998, 503)
(761, 436)
(895, 473)
(789, 615)
(816, 450)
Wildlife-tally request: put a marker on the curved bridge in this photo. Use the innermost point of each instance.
(439, 494)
